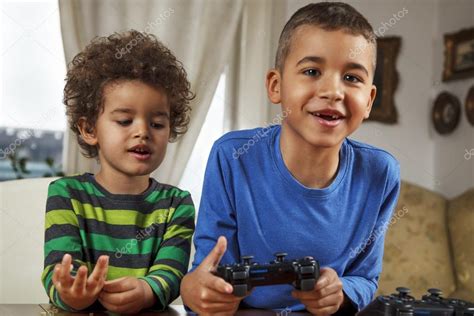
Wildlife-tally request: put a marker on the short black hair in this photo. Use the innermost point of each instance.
(329, 16)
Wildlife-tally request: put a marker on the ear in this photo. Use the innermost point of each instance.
(373, 93)
(88, 133)
(273, 85)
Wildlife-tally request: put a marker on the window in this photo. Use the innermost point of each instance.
(211, 130)
(32, 70)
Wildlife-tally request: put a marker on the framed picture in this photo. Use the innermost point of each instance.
(386, 80)
(459, 55)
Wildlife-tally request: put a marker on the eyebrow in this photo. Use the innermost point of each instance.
(357, 66)
(321, 60)
(131, 111)
(312, 59)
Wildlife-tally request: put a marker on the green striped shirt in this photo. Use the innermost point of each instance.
(147, 236)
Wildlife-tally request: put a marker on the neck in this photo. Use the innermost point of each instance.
(314, 167)
(117, 183)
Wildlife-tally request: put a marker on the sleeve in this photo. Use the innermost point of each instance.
(360, 280)
(62, 236)
(217, 210)
(172, 259)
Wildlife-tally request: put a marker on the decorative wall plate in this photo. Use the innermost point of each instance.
(446, 113)
(469, 107)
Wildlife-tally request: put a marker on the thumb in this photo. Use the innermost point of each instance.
(215, 256)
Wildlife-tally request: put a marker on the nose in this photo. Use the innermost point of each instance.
(330, 88)
(142, 130)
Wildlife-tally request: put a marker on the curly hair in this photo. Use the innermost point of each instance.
(131, 55)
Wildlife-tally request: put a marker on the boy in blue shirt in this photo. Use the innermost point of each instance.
(303, 187)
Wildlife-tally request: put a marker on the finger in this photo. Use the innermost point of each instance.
(65, 277)
(56, 272)
(212, 296)
(79, 284)
(335, 287)
(117, 299)
(100, 270)
(120, 308)
(217, 308)
(219, 285)
(331, 300)
(215, 256)
(325, 276)
(318, 294)
(118, 286)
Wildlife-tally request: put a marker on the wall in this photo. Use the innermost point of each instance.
(426, 158)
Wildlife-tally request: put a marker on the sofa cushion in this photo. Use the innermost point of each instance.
(461, 228)
(417, 253)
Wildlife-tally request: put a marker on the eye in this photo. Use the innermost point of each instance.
(312, 72)
(157, 125)
(124, 122)
(352, 79)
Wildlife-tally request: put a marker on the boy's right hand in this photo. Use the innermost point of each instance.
(206, 293)
(80, 291)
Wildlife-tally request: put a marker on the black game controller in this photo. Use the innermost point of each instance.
(402, 304)
(302, 273)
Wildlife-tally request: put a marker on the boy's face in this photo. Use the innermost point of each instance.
(133, 129)
(326, 85)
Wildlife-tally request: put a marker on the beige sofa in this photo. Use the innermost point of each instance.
(430, 243)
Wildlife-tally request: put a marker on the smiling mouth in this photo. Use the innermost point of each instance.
(327, 117)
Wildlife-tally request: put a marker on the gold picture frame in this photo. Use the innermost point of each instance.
(386, 80)
(459, 55)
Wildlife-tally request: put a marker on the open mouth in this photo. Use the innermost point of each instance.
(140, 151)
(327, 117)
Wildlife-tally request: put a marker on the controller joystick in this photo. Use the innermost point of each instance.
(247, 260)
(280, 256)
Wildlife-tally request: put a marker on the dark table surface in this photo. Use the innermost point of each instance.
(49, 310)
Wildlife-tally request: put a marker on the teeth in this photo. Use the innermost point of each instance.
(334, 117)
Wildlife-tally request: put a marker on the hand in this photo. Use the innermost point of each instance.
(327, 296)
(79, 292)
(127, 295)
(206, 293)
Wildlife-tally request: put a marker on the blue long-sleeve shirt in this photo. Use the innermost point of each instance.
(250, 197)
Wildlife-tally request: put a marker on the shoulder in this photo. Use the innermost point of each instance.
(167, 191)
(374, 159)
(66, 184)
(237, 143)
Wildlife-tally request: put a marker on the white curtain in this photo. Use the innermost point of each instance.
(253, 54)
(201, 34)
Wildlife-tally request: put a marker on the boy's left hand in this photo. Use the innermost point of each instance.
(326, 298)
(126, 295)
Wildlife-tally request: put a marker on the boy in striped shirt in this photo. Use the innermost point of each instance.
(119, 239)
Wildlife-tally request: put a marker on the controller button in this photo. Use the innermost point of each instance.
(239, 275)
(305, 270)
(240, 289)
